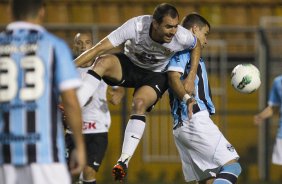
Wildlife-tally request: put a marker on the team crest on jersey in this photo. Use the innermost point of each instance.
(230, 147)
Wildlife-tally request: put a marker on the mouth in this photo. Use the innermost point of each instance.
(169, 37)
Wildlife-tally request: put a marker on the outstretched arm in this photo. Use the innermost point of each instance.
(176, 85)
(195, 58)
(98, 49)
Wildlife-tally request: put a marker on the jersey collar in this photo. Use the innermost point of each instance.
(24, 25)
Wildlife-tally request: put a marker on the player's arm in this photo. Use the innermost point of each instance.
(264, 114)
(114, 39)
(195, 58)
(177, 86)
(98, 49)
(74, 120)
(116, 95)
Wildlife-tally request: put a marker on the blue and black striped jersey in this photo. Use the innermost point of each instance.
(275, 99)
(180, 62)
(35, 66)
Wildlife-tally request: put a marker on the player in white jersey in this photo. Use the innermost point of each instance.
(35, 68)
(150, 40)
(274, 106)
(206, 155)
(96, 116)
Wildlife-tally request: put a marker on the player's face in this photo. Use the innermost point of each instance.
(165, 31)
(82, 43)
(202, 34)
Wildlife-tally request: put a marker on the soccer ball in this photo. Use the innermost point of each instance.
(245, 78)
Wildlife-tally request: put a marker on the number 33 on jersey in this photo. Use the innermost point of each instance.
(31, 85)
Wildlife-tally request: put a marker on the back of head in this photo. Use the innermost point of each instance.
(194, 19)
(24, 9)
(163, 10)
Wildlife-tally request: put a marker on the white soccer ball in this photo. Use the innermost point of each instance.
(245, 78)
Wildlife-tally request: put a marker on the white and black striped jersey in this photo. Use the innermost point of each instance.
(142, 50)
(96, 114)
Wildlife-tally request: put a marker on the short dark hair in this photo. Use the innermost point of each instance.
(194, 19)
(163, 10)
(22, 9)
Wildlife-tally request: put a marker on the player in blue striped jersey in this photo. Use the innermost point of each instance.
(206, 155)
(274, 107)
(35, 68)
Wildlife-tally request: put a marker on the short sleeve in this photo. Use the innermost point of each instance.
(179, 61)
(66, 75)
(274, 98)
(123, 33)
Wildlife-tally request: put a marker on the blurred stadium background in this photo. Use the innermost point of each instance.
(242, 32)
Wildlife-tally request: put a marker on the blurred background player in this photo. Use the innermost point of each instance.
(96, 116)
(206, 155)
(35, 68)
(150, 40)
(274, 107)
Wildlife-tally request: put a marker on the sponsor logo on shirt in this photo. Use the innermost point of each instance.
(89, 125)
(230, 147)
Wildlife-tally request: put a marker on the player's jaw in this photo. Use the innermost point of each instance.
(164, 36)
(167, 38)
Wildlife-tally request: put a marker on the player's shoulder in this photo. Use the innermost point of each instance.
(56, 41)
(145, 18)
(182, 35)
(142, 22)
(54, 38)
(183, 54)
(278, 79)
(181, 30)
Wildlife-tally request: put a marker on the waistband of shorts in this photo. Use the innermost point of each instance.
(196, 108)
(198, 112)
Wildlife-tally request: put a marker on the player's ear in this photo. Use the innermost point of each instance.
(155, 24)
(195, 28)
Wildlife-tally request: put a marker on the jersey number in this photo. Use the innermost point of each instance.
(33, 81)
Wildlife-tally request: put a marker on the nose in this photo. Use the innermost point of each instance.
(83, 46)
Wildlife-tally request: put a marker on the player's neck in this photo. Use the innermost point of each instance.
(154, 36)
(34, 21)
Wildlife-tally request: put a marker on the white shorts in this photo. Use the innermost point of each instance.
(202, 147)
(277, 152)
(55, 173)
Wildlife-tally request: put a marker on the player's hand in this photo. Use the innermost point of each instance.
(77, 161)
(258, 119)
(116, 95)
(189, 86)
(190, 102)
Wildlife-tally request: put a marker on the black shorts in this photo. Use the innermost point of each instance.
(135, 77)
(96, 145)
